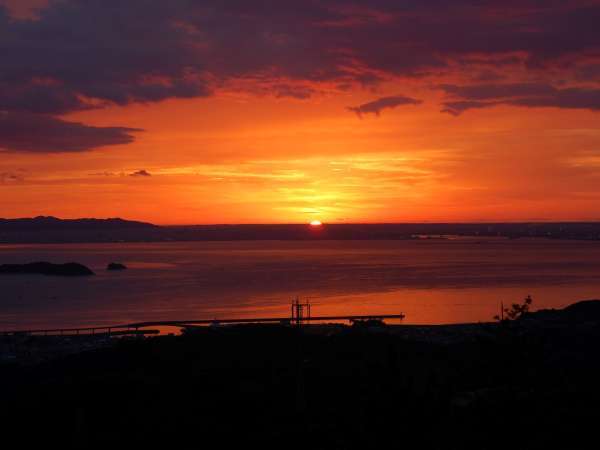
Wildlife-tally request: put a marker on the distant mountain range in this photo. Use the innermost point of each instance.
(49, 223)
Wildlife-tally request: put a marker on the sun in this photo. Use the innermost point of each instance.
(316, 223)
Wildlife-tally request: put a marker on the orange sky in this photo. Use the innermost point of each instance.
(245, 155)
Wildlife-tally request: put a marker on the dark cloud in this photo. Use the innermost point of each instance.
(140, 173)
(589, 72)
(573, 98)
(37, 133)
(376, 106)
(290, 91)
(88, 54)
(498, 91)
(89, 50)
(146, 51)
(523, 94)
(458, 107)
(81, 54)
(39, 98)
(486, 76)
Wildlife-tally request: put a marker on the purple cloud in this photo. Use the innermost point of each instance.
(457, 108)
(498, 91)
(82, 54)
(38, 133)
(523, 94)
(376, 106)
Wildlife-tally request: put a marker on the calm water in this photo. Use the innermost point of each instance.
(431, 281)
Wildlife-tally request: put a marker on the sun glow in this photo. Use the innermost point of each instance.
(316, 223)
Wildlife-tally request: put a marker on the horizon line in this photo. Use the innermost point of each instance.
(430, 222)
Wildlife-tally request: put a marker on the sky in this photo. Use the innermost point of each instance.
(193, 112)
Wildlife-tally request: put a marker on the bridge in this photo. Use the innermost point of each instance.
(146, 327)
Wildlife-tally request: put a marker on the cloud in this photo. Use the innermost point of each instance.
(82, 54)
(498, 91)
(519, 94)
(376, 106)
(457, 108)
(79, 55)
(24, 9)
(38, 133)
(290, 91)
(140, 173)
(145, 51)
(589, 72)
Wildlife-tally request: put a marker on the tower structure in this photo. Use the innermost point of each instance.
(300, 311)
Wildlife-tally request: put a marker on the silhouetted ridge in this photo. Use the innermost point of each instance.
(587, 309)
(49, 223)
(581, 312)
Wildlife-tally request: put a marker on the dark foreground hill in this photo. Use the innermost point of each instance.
(531, 384)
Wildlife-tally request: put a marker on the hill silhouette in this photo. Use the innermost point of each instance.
(50, 223)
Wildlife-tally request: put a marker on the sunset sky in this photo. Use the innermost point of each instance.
(189, 111)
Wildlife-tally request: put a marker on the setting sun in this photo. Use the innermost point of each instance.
(316, 223)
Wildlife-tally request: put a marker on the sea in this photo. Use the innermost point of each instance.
(431, 281)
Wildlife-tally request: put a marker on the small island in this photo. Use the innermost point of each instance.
(71, 269)
(116, 266)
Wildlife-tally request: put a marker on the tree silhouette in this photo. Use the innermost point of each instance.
(515, 311)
